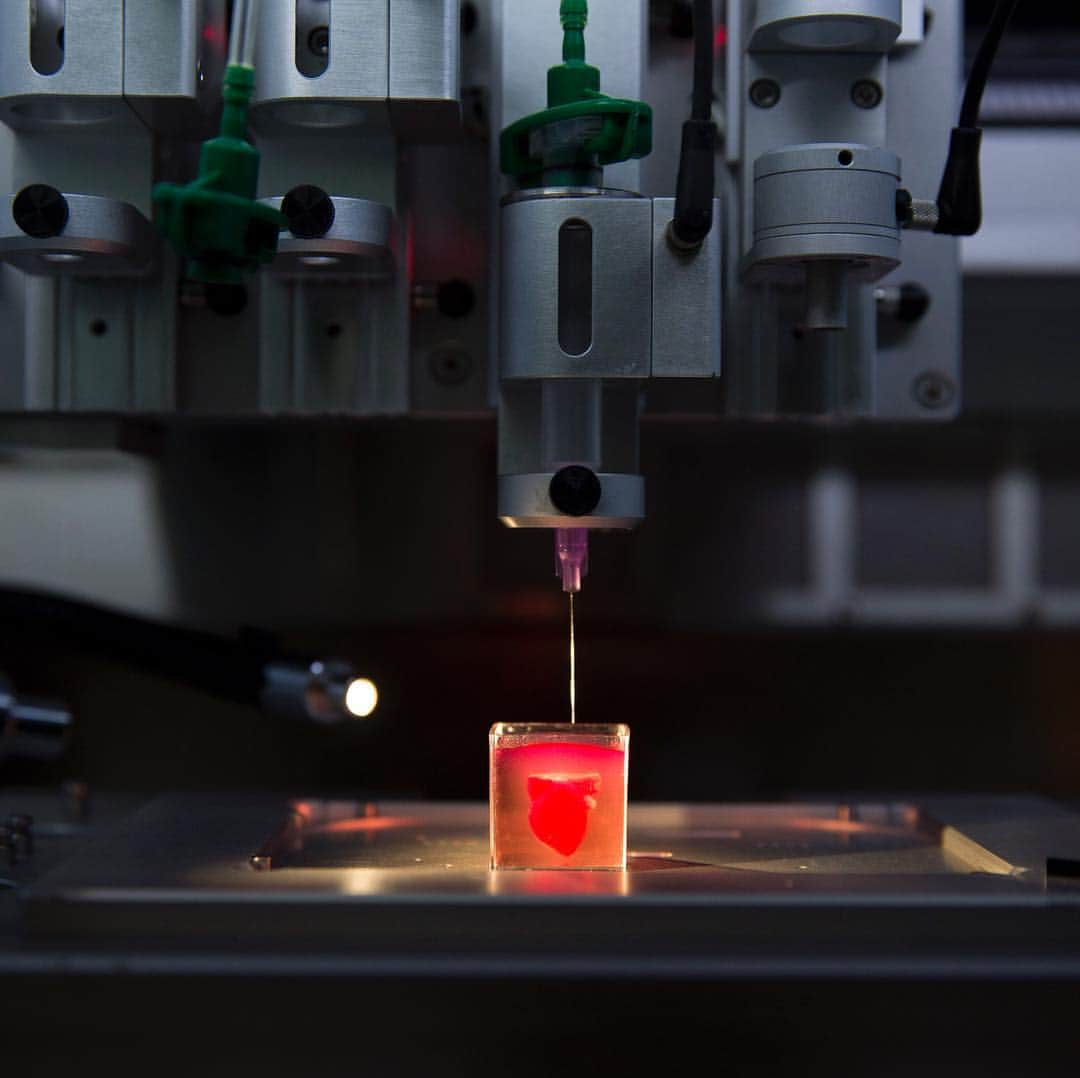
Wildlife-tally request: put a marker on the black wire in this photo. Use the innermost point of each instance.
(232, 669)
(704, 34)
(959, 200)
(984, 60)
(695, 183)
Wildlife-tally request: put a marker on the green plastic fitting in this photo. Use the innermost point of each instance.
(215, 222)
(582, 130)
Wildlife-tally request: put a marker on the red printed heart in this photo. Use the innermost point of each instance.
(559, 809)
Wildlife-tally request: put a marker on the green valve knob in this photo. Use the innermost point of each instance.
(214, 221)
(568, 143)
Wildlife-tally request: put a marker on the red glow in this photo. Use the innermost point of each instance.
(720, 37)
(558, 804)
(841, 827)
(369, 823)
(214, 34)
(559, 808)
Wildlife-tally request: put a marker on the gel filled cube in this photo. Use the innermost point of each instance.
(558, 795)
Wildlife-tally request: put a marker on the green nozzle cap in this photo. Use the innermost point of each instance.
(581, 130)
(214, 221)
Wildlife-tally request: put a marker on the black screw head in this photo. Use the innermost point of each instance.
(765, 93)
(914, 303)
(867, 94)
(450, 366)
(455, 298)
(40, 211)
(575, 490)
(309, 211)
(933, 390)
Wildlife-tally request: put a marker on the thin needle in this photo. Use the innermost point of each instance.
(573, 675)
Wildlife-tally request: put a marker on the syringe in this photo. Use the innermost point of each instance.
(571, 557)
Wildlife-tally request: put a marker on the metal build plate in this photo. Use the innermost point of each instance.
(951, 888)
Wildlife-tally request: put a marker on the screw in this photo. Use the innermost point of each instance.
(867, 94)
(765, 93)
(318, 41)
(575, 490)
(309, 210)
(455, 298)
(40, 211)
(933, 390)
(450, 366)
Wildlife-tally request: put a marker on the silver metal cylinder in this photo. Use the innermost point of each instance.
(825, 25)
(358, 244)
(570, 420)
(825, 214)
(826, 295)
(103, 237)
(827, 201)
(525, 502)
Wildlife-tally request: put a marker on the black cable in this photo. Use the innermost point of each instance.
(229, 668)
(959, 198)
(984, 60)
(703, 61)
(693, 219)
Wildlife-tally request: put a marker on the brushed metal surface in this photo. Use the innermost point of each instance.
(687, 299)
(622, 288)
(425, 63)
(525, 502)
(889, 886)
(173, 62)
(87, 90)
(353, 89)
(360, 242)
(103, 237)
(836, 25)
(924, 97)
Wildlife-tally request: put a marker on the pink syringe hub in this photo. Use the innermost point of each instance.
(571, 557)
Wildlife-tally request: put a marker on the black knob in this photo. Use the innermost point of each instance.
(40, 211)
(914, 302)
(575, 490)
(455, 298)
(309, 211)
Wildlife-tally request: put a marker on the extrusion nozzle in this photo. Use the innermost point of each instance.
(571, 557)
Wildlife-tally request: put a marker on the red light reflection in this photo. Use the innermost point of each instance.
(362, 824)
(214, 34)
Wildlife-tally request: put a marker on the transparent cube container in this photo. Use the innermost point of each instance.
(558, 795)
